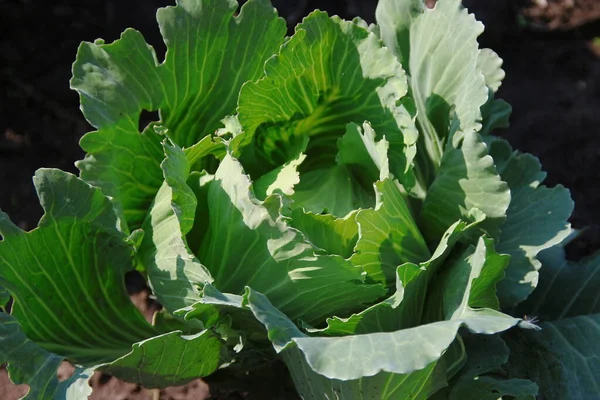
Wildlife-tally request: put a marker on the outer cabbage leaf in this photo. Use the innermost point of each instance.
(562, 358)
(170, 359)
(536, 220)
(206, 46)
(381, 354)
(382, 386)
(29, 363)
(357, 356)
(67, 275)
(67, 280)
(330, 73)
(565, 289)
(481, 377)
(495, 115)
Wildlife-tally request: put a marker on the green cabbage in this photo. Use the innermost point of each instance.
(335, 199)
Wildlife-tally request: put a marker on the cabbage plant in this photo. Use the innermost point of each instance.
(335, 199)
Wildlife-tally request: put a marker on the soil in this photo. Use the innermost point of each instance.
(552, 59)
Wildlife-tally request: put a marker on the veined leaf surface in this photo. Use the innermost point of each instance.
(536, 220)
(29, 363)
(67, 275)
(248, 243)
(210, 55)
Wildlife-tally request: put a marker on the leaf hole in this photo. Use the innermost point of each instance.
(147, 117)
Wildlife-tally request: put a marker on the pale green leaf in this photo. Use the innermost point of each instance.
(388, 235)
(354, 357)
(210, 54)
(401, 352)
(418, 385)
(173, 271)
(467, 180)
(394, 19)
(249, 243)
(280, 180)
(333, 235)
(490, 65)
(439, 51)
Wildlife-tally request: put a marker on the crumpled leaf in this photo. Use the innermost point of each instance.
(439, 51)
(248, 243)
(376, 342)
(210, 55)
(330, 73)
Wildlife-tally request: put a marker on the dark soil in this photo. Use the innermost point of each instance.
(553, 84)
